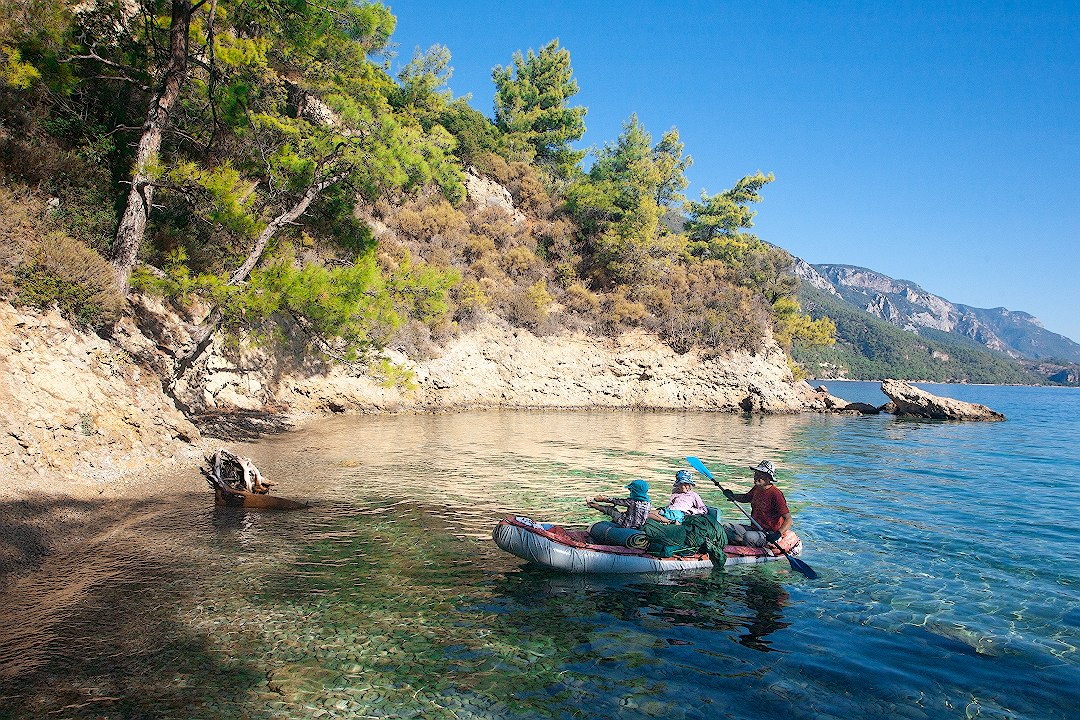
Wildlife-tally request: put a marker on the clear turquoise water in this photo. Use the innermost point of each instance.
(947, 553)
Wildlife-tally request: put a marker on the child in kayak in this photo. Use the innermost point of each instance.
(637, 505)
(684, 501)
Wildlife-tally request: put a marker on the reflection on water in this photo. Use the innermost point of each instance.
(387, 597)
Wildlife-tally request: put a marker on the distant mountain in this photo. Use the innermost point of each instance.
(869, 348)
(909, 307)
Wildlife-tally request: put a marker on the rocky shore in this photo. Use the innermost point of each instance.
(78, 415)
(86, 417)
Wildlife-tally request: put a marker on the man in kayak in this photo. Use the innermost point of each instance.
(637, 505)
(768, 508)
(684, 501)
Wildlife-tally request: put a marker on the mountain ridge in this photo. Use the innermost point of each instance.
(906, 305)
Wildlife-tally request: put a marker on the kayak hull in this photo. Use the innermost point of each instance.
(537, 547)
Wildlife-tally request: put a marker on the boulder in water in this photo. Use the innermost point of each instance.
(909, 401)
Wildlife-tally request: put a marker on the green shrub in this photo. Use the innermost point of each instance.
(789, 325)
(470, 297)
(391, 375)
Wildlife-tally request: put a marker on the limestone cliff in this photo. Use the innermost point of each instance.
(76, 409)
(490, 365)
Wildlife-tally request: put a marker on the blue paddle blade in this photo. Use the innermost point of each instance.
(802, 567)
(700, 467)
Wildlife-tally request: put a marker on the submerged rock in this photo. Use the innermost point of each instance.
(909, 401)
(820, 400)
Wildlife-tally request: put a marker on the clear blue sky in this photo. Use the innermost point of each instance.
(933, 142)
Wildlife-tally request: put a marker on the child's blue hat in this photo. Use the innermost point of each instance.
(639, 490)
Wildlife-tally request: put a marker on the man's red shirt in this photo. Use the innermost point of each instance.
(768, 506)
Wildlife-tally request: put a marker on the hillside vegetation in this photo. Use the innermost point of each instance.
(263, 159)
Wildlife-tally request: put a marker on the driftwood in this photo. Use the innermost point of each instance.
(238, 483)
(239, 472)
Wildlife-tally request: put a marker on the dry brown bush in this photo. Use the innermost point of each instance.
(386, 260)
(20, 218)
(530, 196)
(519, 261)
(727, 318)
(492, 288)
(383, 210)
(579, 299)
(409, 223)
(657, 299)
(527, 306)
(554, 240)
(440, 257)
(41, 265)
(619, 310)
(501, 232)
(82, 185)
(439, 219)
(496, 168)
(478, 245)
(391, 253)
(487, 267)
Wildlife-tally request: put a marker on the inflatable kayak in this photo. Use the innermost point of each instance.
(575, 551)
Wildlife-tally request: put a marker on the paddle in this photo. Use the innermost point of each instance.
(796, 564)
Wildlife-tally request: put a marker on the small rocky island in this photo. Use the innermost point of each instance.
(909, 401)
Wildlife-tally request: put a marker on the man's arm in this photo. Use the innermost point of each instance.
(786, 525)
(743, 497)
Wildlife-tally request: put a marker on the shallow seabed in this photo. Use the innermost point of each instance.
(947, 554)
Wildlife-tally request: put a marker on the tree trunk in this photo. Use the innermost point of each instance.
(132, 226)
(279, 222)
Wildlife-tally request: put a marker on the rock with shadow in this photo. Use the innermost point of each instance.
(909, 401)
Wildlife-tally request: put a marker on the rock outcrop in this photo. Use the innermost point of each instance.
(819, 400)
(488, 193)
(75, 408)
(495, 366)
(491, 365)
(908, 401)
